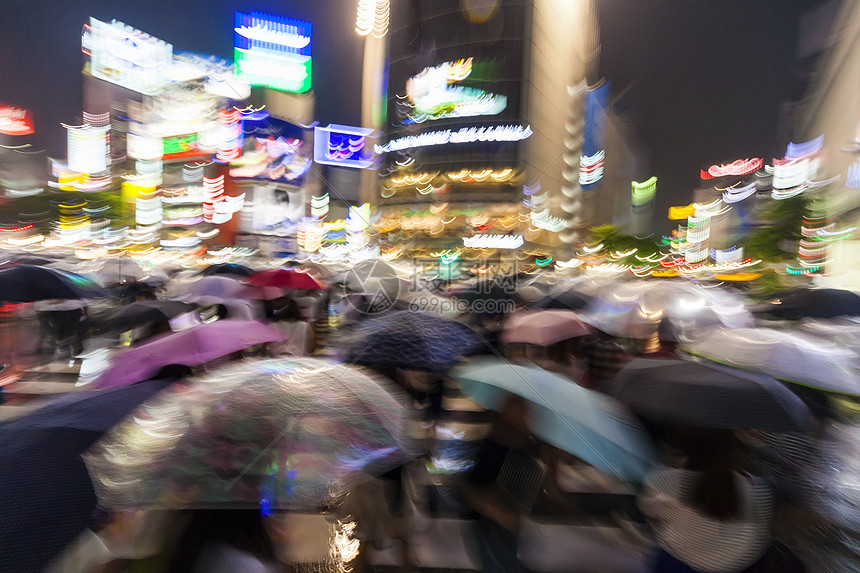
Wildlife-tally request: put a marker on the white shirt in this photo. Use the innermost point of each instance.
(703, 542)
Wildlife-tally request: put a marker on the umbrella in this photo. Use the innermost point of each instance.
(544, 327)
(490, 296)
(47, 498)
(28, 283)
(139, 314)
(222, 287)
(794, 357)
(191, 347)
(357, 277)
(286, 433)
(412, 340)
(570, 300)
(812, 303)
(587, 424)
(26, 260)
(119, 270)
(702, 395)
(635, 309)
(292, 279)
(230, 269)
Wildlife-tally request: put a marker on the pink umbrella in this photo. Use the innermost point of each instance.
(191, 347)
(544, 327)
(293, 279)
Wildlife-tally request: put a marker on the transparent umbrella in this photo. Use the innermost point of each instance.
(288, 433)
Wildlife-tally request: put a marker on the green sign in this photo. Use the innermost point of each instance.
(182, 145)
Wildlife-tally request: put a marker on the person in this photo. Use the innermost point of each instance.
(225, 541)
(605, 356)
(707, 516)
(308, 305)
(298, 335)
(46, 327)
(66, 318)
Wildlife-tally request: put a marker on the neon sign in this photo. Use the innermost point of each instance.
(736, 168)
(432, 94)
(494, 241)
(372, 16)
(342, 145)
(127, 57)
(643, 192)
(15, 120)
(591, 168)
(501, 133)
(87, 149)
(273, 51)
(181, 146)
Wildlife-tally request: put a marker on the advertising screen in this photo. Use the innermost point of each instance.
(274, 150)
(343, 145)
(273, 51)
(15, 120)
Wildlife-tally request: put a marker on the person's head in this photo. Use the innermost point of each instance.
(712, 454)
(174, 371)
(287, 310)
(144, 295)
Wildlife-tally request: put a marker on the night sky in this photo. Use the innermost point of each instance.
(709, 77)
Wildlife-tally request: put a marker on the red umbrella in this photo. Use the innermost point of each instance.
(293, 279)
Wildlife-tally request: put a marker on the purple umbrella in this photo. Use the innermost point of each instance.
(191, 347)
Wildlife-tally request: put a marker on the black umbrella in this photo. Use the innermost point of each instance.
(227, 269)
(26, 260)
(46, 496)
(490, 297)
(811, 303)
(570, 300)
(695, 394)
(139, 314)
(28, 283)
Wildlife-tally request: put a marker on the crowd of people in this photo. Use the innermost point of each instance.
(717, 501)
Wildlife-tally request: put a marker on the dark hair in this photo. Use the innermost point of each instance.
(289, 311)
(714, 493)
(241, 529)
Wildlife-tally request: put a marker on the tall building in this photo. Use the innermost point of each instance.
(483, 140)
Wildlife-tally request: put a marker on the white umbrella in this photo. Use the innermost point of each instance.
(795, 357)
(119, 270)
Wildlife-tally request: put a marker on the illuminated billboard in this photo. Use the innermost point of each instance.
(15, 120)
(88, 149)
(439, 92)
(273, 151)
(273, 51)
(127, 57)
(343, 146)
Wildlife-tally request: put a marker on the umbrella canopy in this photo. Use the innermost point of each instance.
(570, 300)
(221, 287)
(193, 346)
(25, 260)
(47, 498)
(119, 270)
(275, 434)
(544, 327)
(489, 297)
(635, 309)
(291, 279)
(412, 340)
(585, 423)
(794, 357)
(812, 303)
(701, 395)
(28, 283)
(230, 269)
(139, 314)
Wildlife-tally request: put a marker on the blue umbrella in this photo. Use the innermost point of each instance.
(46, 496)
(412, 340)
(570, 300)
(587, 424)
